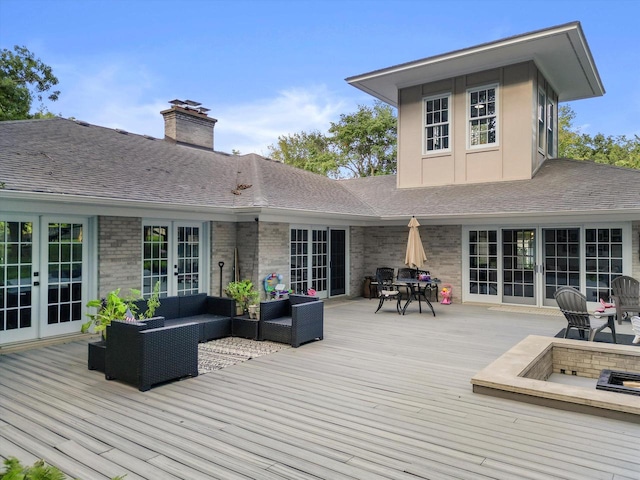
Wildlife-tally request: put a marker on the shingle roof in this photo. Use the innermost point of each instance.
(64, 157)
(559, 186)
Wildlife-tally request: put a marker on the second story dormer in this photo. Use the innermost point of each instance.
(487, 113)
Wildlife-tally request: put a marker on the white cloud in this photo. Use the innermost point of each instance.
(122, 94)
(252, 127)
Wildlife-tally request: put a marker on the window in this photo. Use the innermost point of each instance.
(483, 120)
(483, 262)
(551, 125)
(436, 123)
(603, 261)
(542, 113)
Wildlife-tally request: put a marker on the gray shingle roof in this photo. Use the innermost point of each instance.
(64, 157)
(559, 186)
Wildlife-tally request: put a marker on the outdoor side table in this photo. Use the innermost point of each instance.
(244, 327)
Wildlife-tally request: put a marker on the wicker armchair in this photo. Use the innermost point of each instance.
(147, 353)
(294, 320)
(626, 295)
(574, 307)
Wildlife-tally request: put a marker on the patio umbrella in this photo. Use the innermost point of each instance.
(415, 256)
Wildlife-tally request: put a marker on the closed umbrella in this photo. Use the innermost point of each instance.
(415, 256)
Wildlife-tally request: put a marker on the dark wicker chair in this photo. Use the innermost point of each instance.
(574, 307)
(294, 320)
(626, 296)
(387, 290)
(147, 353)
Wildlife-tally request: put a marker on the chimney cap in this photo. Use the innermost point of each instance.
(190, 103)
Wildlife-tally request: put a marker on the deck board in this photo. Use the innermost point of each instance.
(381, 397)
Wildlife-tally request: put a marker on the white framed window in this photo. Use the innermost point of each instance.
(542, 115)
(551, 128)
(482, 113)
(437, 121)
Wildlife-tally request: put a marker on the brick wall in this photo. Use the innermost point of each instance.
(386, 246)
(274, 252)
(223, 242)
(247, 242)
(542, 368)
(357, 260)
(588, 363)
(119, 254)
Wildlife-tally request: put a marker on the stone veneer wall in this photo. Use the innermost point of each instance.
(542, 368)
(223, 242)
(119, 254)
(274, 252)
(386, 246)
(357, 261)
(247, 243)
(587, 363)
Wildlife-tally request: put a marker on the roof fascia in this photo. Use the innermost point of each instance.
(461, 62)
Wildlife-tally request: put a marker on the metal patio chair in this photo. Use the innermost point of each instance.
(387, 290)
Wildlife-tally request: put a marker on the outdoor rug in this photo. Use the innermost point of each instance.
(604, 337)
(222, 353)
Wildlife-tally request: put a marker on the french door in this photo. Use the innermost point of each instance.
(43, 285)
(527, 265)
(318, 260)
(172, 257)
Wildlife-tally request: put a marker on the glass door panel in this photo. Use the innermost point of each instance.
(319, 261)
(561, 260)
(299, 260)
(65, 252)
(483, 263)
(603, 261)
(155, 239)
(17, 318)
(187, 274)
(519, 266)
(338, 262)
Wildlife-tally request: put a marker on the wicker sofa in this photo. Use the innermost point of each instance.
(294, 320)
(212, 314)
(149, 352)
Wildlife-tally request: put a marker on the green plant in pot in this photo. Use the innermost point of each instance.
(243, 293)
(115, 307)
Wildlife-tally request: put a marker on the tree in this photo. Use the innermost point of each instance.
(310, 151)
(358, 145)
(23, 79)
(618, 150)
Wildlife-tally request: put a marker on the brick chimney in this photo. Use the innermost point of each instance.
(187, 123)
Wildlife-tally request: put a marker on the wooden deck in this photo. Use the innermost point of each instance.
(382, 397)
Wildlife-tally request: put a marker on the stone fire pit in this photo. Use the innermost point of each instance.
(522, 372)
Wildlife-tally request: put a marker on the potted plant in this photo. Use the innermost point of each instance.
(243, 293)
(114, 307)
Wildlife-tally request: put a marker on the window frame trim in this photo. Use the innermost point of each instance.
(449, 149)
(468, 91)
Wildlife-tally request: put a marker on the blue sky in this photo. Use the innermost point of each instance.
(269, 68)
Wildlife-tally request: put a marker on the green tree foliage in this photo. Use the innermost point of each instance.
(23, 80)
(310, 151)
(360, 144)
(618, 150)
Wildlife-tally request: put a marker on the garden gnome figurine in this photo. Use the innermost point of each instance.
(635, 326)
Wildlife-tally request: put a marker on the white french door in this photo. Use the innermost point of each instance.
(526, 265)
(43, 285)
(172, 255)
